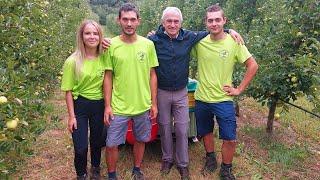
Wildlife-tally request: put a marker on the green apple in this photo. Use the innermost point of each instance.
(3, 100)
(12, 124)
(3, 137)
(294, 79)
(299, 33)
(277, 116)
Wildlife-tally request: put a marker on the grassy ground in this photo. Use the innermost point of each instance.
(292, 152)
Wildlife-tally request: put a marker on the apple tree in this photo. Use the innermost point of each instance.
(283, 37)
(36, 37)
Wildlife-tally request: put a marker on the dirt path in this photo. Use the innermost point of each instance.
(53, 157)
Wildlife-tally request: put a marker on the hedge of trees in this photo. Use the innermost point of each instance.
(36, 37)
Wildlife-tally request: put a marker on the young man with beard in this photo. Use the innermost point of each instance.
(130, 88)
(217, 55)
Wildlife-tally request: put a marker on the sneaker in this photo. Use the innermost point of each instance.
(109, 178)
(226, 173)
(210, 165)
(112, 178)
(137, 175)
(83, 177)
(184, 173)
(195, 139)
(166, 167)
(95, 173)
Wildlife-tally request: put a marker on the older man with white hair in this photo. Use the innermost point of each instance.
(173, 45)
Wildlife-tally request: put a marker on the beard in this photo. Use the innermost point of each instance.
(130, 32)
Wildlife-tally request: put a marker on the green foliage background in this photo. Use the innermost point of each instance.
(36, 37)
(283, 36)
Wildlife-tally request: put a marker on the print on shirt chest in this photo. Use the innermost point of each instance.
(141, 56)
(223, 54)
(92, 70)
(130, 58)
(100, 72)
(219, 55)
(99, 69)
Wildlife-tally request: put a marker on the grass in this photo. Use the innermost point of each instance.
(285, 155)
(303, 123)
(278, 152)
(291, 152)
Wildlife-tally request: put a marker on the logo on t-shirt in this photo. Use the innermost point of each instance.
(101, 73)
(223, 54)
(141, 56)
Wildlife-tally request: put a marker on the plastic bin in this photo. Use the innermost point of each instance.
(154, 132)
(192, 86)
(192, 131)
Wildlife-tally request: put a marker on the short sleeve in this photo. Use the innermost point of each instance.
(242, 53)
(153, 60)
(107, 59)
(68, 77)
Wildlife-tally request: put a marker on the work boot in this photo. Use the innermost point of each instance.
(210, 165)
(137, 175)
(226, 173)
(95, 173)
(166, 167)
(83, 177)
(184, 173)
(111, 178)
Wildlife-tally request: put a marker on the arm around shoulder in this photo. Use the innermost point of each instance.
(236, 36)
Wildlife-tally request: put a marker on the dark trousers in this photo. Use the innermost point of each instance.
(88, 112)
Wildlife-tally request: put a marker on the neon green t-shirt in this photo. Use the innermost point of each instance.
(89, 83)
(216, 60)
(130, 65)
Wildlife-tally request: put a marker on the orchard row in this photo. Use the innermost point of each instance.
(36, 37)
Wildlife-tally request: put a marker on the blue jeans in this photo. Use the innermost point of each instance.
(88, 112)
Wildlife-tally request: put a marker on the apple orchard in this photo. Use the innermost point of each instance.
(38, 35)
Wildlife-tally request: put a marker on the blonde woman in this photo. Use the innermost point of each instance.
(82, 80)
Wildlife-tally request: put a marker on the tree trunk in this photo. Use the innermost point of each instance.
(272, 110)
